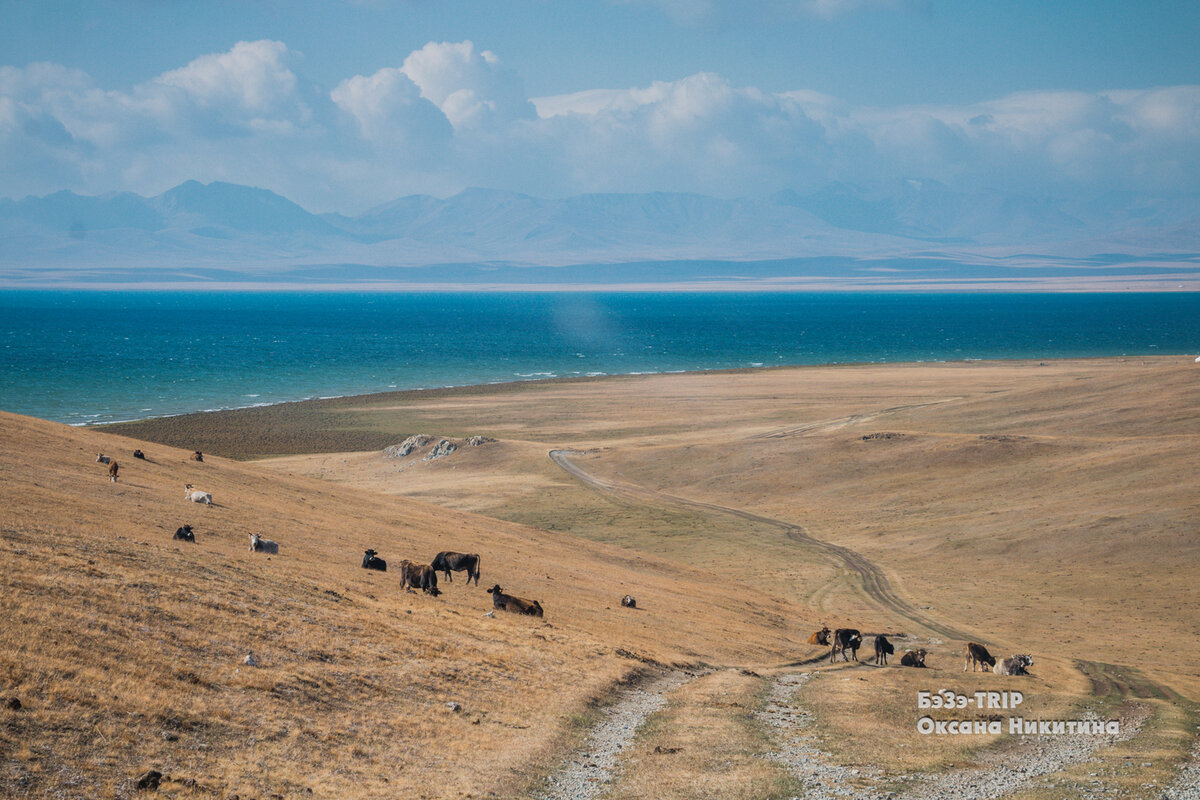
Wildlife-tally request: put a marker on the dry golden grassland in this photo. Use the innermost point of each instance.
(126, 648)
(1048, 508)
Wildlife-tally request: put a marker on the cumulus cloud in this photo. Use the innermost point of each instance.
(451, 115)
(389, 108)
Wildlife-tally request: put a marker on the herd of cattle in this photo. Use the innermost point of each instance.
(845, 640)
(415, 576)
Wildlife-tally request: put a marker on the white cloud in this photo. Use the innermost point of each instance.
(472, 88)
(389, 108)
(452, 116)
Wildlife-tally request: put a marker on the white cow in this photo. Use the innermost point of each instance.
(261, 545)
(1016, 665)
(196, 496)
(102, 459)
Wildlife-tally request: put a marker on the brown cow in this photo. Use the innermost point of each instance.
(821, 637)
(506, 602)
(913, 658)
(843, 639)
(418, 576)
(977, 654)
(112, 471)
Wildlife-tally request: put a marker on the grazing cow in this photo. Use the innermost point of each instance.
(112, 471)
(419, 576)
(139, 454)
(185, 534)
(845, 639)
(197, 456)
(821, 637)
(628, 602)
(883, 649)
(977, 654)
(261, 545)
(196, 496)
(102, 459)
(1014, 665)
(506, 602)
(913, 658)
(373, 561)
(448, 560)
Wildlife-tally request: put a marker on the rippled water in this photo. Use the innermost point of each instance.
(88, 357)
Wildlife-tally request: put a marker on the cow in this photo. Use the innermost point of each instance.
(448, 560)
(112, 471)
(372, 561)
(197, 456)
(628, 602)
(843, 639)
(419, 576)
(196, 496)
(977, 654)
(185, 534)
(913, 658)
(506, 602)
(102, 459)
(261, 545)
(139, 454)
(821, 637)
(883, 649)
(1014, 665)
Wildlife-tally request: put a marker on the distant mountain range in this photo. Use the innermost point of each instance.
(923, 230)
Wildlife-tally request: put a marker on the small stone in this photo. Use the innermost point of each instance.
(13, 704)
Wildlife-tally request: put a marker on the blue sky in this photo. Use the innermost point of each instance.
(342, 105)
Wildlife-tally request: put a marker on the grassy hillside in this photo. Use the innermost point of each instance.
(127, 649)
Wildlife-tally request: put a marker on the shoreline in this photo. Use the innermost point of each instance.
(491, 387)
(372, 421)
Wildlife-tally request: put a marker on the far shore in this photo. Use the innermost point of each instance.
(1163, 282)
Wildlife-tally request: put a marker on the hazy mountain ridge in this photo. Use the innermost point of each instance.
(256, 233)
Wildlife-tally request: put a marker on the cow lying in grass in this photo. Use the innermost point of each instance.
(913, 658)
(820, 637)
(371, 560)
(185, 534)
(261, 545)
(506, 602)
(1013, 665)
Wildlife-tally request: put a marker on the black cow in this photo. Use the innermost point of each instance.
(628, 602)
(448, 560)
(883, 649)
(913, 658)
(139, 454)
(845, 639)
(506, 602)
(372, 561)
(185, 534)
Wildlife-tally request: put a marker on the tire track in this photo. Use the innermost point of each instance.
(875, 584)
